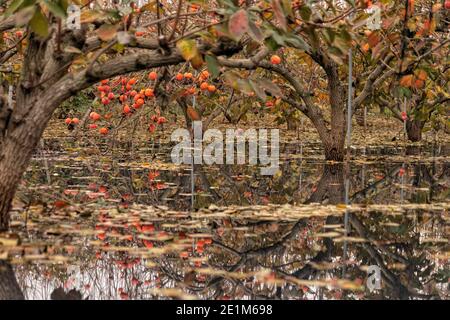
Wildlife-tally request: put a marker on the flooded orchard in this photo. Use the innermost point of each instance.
(88, 225)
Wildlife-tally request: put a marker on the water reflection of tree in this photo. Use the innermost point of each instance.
(291, 251)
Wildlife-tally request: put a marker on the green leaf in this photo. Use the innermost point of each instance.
(56, 9)
(15, 4)
(238, 24)
(39, 24)
(255, 32)
(271, 43)
(213, 65)
(258, 90)
(287, 6)
(296, 41)
(270, 87)
(305, 12)
(279, 14)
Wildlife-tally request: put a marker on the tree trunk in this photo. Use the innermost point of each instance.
(334, 148)
(16, 150)
(414, 129)
(9, 288)
(292, 124)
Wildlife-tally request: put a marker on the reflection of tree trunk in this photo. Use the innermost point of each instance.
(9, 288)
(331, 185)
(330, 190)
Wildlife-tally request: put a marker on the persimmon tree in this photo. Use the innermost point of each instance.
(56, 62)
(417, 91)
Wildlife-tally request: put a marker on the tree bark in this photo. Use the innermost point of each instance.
(414, 129)
(9, 288)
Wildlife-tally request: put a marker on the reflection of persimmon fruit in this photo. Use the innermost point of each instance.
(275, 59)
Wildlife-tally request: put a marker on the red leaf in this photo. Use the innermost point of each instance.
(238, 24)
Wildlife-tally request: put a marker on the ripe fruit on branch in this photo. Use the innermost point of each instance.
(211, 88)
(105, 81)
(68, 121)
(92, 126)
(149, 92)
(188, 75)
(126, 109)
(132, 81)
(404, 116)
(161, 120)
(205, 74)
(94, 116)
(179, 76)
(103, 131)
(153, 75)
(139, 33)
(75, 121)
(204, 86)
(275, 59)
(105, 101)
(139, 102)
